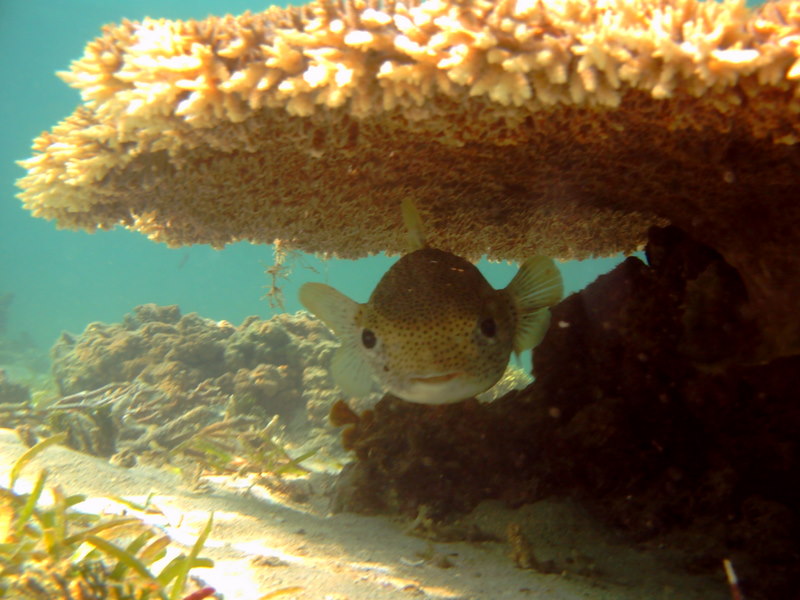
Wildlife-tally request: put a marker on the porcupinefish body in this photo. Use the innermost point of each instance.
(434, 331)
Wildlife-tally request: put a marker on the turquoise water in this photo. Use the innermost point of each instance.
(63, 280)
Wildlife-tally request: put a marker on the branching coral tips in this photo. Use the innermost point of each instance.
(434, 331)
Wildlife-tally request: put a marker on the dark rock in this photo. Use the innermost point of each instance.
(647, 407)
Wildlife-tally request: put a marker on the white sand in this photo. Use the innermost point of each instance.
(354, 557)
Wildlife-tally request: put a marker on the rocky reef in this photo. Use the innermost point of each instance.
(159, 377)
(646, 408)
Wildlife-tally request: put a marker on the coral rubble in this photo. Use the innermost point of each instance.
(644, 407)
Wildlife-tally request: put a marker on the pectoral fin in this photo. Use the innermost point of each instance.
(350, 371)
(330, 306)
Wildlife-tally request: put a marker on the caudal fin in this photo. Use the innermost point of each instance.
(536, 286)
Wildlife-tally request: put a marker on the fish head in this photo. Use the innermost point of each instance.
(434, 331)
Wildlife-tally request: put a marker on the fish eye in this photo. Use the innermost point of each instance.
(489, 327)
(368, 338)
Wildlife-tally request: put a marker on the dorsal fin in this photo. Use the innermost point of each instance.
(414, 232)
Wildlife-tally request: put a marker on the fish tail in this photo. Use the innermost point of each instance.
(536, 286)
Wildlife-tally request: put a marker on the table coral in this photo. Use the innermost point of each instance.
(554, 127)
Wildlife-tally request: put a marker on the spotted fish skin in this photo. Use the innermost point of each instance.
(434, 331)
(419, 349)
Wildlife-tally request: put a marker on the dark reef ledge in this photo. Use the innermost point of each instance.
(647, 407)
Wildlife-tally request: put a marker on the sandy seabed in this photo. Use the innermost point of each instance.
(261, 544)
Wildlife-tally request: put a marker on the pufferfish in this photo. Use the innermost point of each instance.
(434, 331)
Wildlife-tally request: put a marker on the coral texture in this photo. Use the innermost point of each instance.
(160, 375)
(640, 409)
(564, 128)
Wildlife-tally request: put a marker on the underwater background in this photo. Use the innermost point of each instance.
(52, 281)
(687, 452)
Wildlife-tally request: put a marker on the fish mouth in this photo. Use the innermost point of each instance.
(443, 378)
